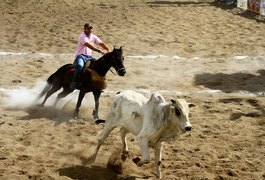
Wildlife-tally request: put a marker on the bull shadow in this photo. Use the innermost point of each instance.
(231, 8)
(237, 11)
(177, 3)
(92, 173)
(229, 83)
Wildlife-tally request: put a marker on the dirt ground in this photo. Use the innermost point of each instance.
(211, 54)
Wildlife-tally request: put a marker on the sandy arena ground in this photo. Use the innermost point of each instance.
(211, 54)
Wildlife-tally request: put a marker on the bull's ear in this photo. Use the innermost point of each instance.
(173, 101)
(121, 48)
(165, 113)
(191, 105)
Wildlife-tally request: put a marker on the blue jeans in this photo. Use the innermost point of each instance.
(80, 61)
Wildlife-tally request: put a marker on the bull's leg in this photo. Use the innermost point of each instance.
(61, 95)
(145, 152)
(125, 150)
(78, 104)
(95, 111)
(105, 132)
(53, 89)
(158, 156)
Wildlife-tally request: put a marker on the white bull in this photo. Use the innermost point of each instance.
(153, 121)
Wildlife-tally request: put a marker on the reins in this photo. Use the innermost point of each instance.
(113, 72)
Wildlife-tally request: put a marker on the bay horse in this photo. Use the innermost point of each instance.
(92, 79)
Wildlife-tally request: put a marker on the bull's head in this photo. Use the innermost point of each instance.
(180, 109)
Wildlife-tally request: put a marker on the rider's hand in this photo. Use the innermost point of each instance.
(101, 52)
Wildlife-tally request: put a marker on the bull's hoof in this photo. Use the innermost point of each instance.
(136, 160)
(99, 121)
(158, 176)
(124, 156)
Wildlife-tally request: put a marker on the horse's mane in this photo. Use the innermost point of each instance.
(100, 64)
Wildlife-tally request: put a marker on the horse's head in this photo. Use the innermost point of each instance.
(117, 61)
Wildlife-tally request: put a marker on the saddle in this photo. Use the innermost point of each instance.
(72, 69)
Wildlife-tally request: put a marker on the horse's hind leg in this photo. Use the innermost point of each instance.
(50, 92)
(44, 91)
(61, 95)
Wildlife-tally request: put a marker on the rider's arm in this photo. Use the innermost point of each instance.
(93, 47)
(104, 46)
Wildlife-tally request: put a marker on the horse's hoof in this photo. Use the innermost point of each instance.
(40, 105)
(75, 115)
(99, 121)
(89, 161)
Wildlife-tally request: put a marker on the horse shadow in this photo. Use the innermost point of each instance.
(48, 112)
(229, 83)
(93, 172)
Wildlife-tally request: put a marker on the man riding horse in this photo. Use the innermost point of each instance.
(93, 75)
(83, 52)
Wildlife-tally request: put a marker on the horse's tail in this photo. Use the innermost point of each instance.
(45, 90)
(55, 77)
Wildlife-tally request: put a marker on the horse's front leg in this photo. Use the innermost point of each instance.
(61, 95)
(95, 112)
(78, 104)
